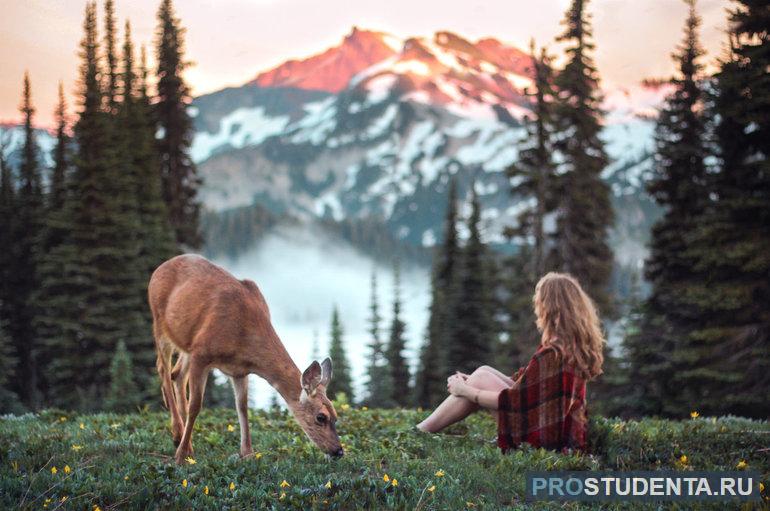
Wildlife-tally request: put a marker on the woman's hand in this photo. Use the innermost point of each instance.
(456, 385)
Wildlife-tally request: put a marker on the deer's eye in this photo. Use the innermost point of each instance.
(321, 419)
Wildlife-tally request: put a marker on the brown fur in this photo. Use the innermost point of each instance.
(214, 320)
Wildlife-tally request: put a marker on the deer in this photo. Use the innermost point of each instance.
(210, 319)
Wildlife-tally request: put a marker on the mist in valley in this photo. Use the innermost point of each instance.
(303, 272)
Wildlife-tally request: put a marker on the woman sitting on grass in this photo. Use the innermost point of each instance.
(543, 403)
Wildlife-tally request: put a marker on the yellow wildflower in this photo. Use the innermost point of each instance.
(470, 504)
(440, 473)
(761, 487)
(67, 469)
(386, 478)
(62, 419)
(257, 455)
(230, 428)
(394, 482)
(54, 470)
(741, 465)
(184, 483)
(345, 406)
(46, 502)
(329, 484)
(205, 490)
(114, 425)
(76, 447)
(64, 499)
(285, 484)
(97, 508)
(232, 486)
(82, 426)
(432, 488)
(125, 478)
(694, 414)
(283, 495)
(364, 408)
(683, 459)
(190, 460)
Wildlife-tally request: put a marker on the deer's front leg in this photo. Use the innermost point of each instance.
(197, 375)
(241, 388)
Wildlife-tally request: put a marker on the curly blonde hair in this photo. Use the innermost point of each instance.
(567, 319)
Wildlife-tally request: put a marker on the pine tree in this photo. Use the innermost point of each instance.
(180, 180)
(341, 381)
(732, 246)
(678, 186)
(55, 231)
(472, 341)
(153, 234)
(8, 362)
(123, 395)
(23, 272)
(394, 353)
(533, 172)
(533, 177)
(379, 386)
(430, 385)
(584, 212)
(111, 89)
(101, 274)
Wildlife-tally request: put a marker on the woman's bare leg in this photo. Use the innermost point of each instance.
(505, 378)
(455, 409)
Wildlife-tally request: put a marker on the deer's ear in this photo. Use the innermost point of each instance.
(326, 371)
(311, 378)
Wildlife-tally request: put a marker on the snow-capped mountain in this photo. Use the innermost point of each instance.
(375, 126)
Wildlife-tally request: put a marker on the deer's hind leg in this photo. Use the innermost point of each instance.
(241, 388)
(198, 373)
(165, 351)
(179, 376)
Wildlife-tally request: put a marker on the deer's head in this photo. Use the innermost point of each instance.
(315, 413)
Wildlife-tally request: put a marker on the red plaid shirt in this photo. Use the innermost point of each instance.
(545, 407)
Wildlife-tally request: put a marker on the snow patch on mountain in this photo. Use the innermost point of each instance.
(244, 126)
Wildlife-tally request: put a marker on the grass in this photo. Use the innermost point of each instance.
(108, 461)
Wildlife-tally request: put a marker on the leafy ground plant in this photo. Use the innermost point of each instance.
(58, 460)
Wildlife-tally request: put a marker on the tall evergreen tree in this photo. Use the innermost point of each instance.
(111, 54)
(394, 353)
(341, 382)
(8, 361)
(533, 172)
(100, 259)
(123, 395)
(730, 337)
(180, 179)
(23, 273)
(153, 233)
(584, 212)
(472, 342)
(666, 351)
(56, 229)
(533, 177)
(379, 386)
(430, 384)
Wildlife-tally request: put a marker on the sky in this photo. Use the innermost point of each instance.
(230, 41)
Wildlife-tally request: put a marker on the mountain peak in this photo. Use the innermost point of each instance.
(332, 69)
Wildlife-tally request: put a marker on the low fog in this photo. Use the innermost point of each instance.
(303, 272)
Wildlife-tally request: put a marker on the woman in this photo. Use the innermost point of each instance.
(542, 404)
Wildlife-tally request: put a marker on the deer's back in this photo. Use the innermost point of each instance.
(192, 300)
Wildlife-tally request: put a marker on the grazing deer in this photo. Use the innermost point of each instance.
(213, 320)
